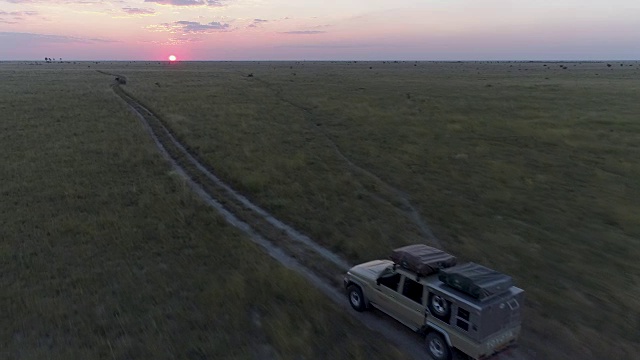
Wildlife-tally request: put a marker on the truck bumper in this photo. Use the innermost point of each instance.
(484, 349)
(497, 343)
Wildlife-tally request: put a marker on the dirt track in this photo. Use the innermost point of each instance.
(296, 251)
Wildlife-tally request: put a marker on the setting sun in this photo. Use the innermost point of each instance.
(172, 58)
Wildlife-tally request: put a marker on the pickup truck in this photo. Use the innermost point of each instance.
(447, 317)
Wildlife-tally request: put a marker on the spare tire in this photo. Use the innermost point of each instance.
(439, 307)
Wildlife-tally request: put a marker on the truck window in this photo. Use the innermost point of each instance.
(463, 319)
(391, 281)
(412, 290)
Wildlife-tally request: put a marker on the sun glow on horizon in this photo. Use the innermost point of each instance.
(303, 29)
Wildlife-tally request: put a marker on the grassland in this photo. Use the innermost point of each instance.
(105, 252)
(530, 168)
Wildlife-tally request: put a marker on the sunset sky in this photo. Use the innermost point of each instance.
(320, 30)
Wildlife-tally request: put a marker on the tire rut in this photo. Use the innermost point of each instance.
(405, 205)
(296, 251)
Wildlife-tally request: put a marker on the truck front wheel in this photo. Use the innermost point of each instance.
(356, 298)
(437, 347)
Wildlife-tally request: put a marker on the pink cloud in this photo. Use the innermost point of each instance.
(188, 2)
(138, 11)
(190, 27)
(304, 32)
(19, 13)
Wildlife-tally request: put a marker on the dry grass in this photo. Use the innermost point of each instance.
(105, 253)
(527, 167)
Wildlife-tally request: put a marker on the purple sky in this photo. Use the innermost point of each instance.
(320, 30)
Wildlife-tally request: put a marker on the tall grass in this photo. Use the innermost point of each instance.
(106, 253)
(530, 169)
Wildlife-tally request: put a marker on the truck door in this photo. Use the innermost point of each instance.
(386, 293)
(411, 302)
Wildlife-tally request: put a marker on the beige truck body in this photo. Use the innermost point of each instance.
(477, 328)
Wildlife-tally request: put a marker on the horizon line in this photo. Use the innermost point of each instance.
(325, 60)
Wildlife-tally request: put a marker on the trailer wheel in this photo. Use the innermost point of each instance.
(356, 299)
(437, 347)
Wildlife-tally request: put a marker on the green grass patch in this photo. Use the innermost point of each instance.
(527, 168)
(106, 253)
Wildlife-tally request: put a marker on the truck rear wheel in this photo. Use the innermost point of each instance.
(356, 298)
(437, 347)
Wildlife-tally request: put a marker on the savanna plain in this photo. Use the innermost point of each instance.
(530, 168)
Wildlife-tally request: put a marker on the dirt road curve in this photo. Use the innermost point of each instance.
(296, 251)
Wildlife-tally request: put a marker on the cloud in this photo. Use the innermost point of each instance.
(188, 2)
(19, 13)
(190, 27)
(101, 40)
(196, 27)
(329, 46)
(304, 32)
(16, 16)
(138, 11)
(84, 2)
(177, 41)
(257, 22)
(44, 38)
